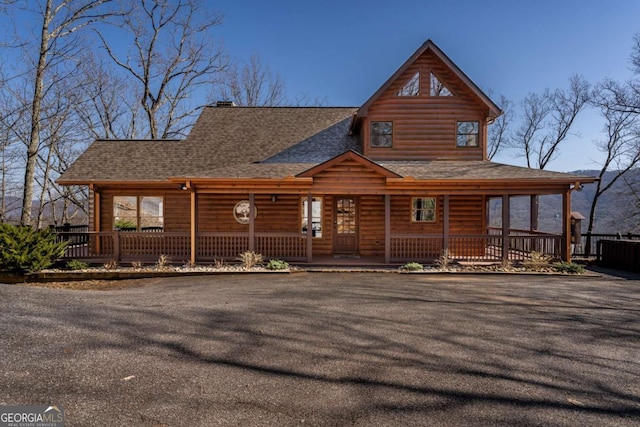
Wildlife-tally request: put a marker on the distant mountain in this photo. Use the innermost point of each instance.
(13, 206)
(618, 209)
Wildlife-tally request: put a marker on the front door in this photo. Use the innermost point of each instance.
(345, 230)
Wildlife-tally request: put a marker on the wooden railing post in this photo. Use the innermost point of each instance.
(387, 229)
(445, 234)
(252, 223)
(116, 245)
(506, 219)
(309, 228)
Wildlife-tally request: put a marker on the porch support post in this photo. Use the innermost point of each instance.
(96, 215)
(506, 225)
(387, 228)
(445, 225)
(194, 227)
(252, 223)
(534, 208)
(566, 226)
(309, 228)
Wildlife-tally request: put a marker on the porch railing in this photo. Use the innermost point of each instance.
(223, 246)
(148, 246)
(473, 248)
(290, 246)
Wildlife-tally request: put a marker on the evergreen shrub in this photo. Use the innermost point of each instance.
(27, 250)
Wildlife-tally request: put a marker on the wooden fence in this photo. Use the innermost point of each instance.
(621, 254)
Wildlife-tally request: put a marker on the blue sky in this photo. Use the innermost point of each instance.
(342, 51)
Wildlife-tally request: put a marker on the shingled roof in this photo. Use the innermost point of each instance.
(442, 170)
(222, 137)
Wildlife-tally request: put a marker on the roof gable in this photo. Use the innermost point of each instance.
(493, 110)
(353, 156)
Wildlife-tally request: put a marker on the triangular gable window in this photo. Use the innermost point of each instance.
(437, 88)
(412, 87)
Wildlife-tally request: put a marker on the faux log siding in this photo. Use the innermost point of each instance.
(348, 177)
(323, 246)
(177, 211)
(466, 215)
(401, 217)
(215, 213)
(424, 127)
(177, 208)
(372, 226)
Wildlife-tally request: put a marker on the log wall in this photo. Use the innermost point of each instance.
(215, 214)
(424, 126)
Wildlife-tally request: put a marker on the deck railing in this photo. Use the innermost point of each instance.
(222, 246)
(148, 246)
(227, 246)
(590, 242)
(472, 248)
(289, 246)
(90, 246)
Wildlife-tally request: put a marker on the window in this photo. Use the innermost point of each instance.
(437, 88)
(381, 134)
(468, 134)
(316, 216)
(412, 87)
(423, 209)
(138, 213)
(241, 212)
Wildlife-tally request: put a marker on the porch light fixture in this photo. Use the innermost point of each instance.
(183, 186)
(274, 198)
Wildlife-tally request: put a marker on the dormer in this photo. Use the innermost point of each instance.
(427, 110)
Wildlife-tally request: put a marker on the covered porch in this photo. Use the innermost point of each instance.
(352, 229)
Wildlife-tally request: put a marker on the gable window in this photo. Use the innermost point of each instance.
(316, 216)
(437, 88)
(412, 87)
(423, 209)
(381, 134)
(468, 135)
(138, 213)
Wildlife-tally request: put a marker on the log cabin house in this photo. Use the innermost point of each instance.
(401, 178)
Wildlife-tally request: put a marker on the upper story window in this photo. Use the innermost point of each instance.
(138, 213)
(412, 87)
(437, 88)
(423, 209)
(468, 135)
(381, 134)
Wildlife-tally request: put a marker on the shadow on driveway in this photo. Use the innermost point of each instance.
(329, 349)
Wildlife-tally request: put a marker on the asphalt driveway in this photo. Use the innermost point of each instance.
(329, 349)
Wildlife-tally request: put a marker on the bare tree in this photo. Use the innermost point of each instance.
(253, 86)
(173, 56)
(620, 146)
(107, 106)
(57, 40)
(9, 160)
(635, 54)
(498, 134)
(547, 121)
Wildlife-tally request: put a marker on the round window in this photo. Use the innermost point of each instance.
(241, 211)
